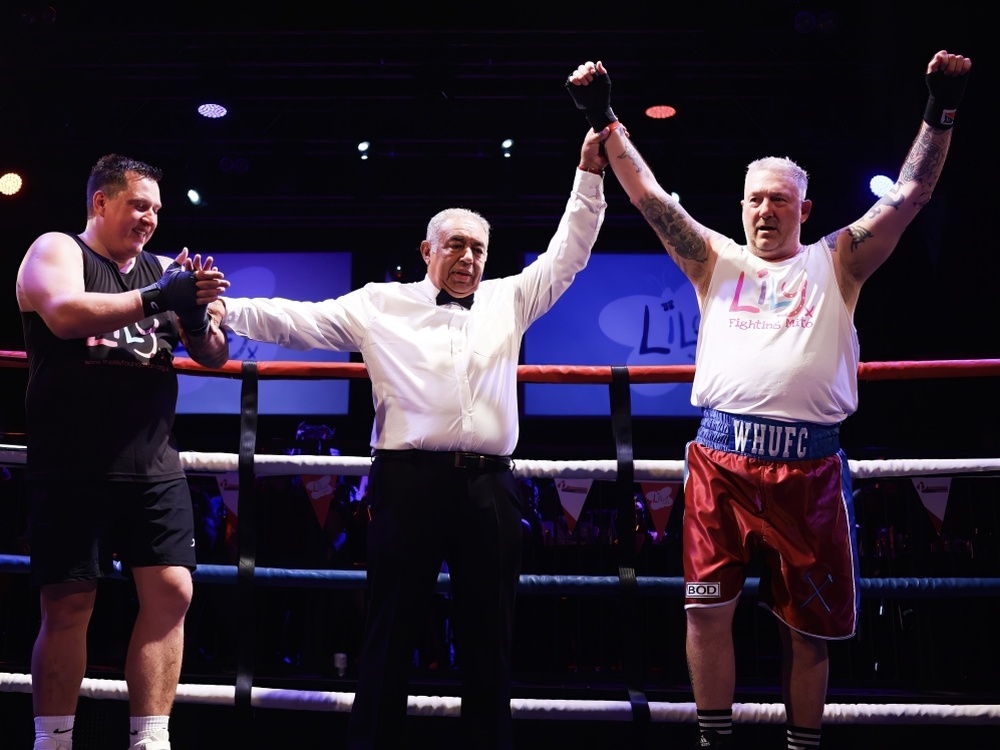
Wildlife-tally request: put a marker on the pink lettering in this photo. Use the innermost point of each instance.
(735, 305)
(802, 300)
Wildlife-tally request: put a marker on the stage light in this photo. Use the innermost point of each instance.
(194, 197)
(880, 184)
(363, 149)
(212, 111)
(10, 183)
(660, 111)
(828, 22)
(804, 22)
(238, 164)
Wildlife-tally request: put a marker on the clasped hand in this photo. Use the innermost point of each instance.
(210, 282)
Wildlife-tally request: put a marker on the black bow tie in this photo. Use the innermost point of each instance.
(444, 298)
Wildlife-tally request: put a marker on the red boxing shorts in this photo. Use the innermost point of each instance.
(780, 492)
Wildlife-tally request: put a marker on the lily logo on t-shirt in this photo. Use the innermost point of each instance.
(131, 342)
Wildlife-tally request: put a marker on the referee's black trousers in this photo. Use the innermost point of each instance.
(425, 511)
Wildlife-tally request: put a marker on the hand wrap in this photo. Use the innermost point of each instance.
(945, 96)
(594, 100)
(175, 289)
(194, 320)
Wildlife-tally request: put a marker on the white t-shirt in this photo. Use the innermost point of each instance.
(776, 339)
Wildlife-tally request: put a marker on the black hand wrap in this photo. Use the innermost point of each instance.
(194, 319)
(594, 100)
(176, 289)
(945, 95)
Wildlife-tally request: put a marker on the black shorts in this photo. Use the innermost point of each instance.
(79, 528)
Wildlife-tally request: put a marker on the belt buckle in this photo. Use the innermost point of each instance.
(465, 460)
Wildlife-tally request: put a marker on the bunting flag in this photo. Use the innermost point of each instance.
(229, 488)
(660, 498)
(320, 489)
(572, 495)
(933, 493)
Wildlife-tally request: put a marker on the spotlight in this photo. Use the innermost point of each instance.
(10, 183)
(194, 197)
(660, 112)
(364, 149)
(880, 185)
(212, 111)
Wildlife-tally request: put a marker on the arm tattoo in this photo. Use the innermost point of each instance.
(633, 156)
(858, 235)
(924, 162)
(889, 199)
(831, 240)
(673, 229)
(919, 201)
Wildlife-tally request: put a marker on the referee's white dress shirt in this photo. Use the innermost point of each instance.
(443, 378)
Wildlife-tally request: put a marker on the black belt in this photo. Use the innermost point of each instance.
(449, 459)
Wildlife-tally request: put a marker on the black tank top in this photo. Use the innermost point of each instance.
(103, 407)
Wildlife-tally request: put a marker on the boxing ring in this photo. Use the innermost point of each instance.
(629, 587)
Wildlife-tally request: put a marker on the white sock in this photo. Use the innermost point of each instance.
(54, 729)
(147, 728)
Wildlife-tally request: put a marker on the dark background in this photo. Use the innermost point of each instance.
(436, 88)
(436, 92)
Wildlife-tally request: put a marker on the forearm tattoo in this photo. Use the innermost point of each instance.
(629, 153)
(673, 229)
(924, 163)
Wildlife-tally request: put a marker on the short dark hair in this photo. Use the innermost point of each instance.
(110, 176)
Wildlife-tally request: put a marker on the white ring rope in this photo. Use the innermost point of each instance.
(605, 469)
(567, 710)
